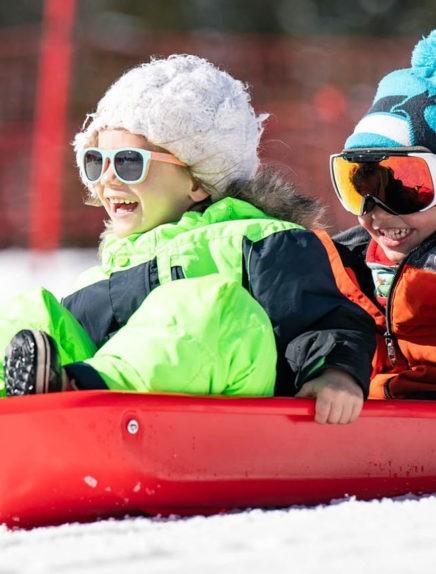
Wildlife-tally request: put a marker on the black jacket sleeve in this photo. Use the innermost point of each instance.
(316, 326)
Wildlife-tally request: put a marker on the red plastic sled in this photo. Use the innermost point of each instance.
(81, 456)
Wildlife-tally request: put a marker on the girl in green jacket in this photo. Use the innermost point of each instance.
(199, 291)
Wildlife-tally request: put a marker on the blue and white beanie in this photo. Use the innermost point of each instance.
(403, 113)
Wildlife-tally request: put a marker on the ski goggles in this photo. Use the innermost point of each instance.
(130, 165)
(400, 181)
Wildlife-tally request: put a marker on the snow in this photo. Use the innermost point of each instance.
(388, 536)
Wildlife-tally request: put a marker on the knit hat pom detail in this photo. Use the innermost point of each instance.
(403, 113)
(424, 57)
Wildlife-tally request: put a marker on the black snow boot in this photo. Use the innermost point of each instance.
(32, 364)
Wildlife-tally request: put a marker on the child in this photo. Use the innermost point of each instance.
(387, 176)
(197, 289)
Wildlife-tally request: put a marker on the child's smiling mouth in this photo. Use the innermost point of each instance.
(395, 233)
(394, 236)
(120, 206)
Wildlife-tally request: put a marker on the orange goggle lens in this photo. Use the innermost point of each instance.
(402, 184)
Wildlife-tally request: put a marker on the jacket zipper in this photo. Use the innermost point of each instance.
(389, 337)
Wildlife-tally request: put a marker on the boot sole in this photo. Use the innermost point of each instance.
(30, 363)
(43, 361)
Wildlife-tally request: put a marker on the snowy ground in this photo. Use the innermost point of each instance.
(386, 537)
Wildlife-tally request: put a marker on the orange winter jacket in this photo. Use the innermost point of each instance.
(404, 365)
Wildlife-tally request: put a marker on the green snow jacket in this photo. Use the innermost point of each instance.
(229, 251)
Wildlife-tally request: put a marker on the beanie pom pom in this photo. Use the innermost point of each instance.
(424, 57)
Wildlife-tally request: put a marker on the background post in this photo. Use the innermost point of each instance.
(49, 129)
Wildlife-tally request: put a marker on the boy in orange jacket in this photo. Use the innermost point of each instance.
(386, 175)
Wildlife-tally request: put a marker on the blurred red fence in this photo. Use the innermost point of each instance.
(315, 88)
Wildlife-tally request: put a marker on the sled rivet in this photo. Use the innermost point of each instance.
(133, 426)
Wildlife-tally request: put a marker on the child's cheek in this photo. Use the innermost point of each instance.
(365, 222)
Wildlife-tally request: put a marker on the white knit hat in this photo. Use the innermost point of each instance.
(187, 106)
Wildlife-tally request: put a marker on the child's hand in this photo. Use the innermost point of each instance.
(339, 399)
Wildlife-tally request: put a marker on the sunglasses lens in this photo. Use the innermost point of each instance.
(129, 165)
(93, 165)
(403, 183)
